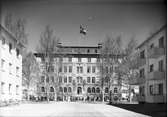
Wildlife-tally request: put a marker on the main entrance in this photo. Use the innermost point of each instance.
(79, 90)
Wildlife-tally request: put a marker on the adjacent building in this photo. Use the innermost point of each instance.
(152, 68)
(10, 67)
(75, 75)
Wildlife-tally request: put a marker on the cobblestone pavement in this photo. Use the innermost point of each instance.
(66, 109)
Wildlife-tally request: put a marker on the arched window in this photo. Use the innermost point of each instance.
(93, 90)
(69, 89)
(61, 89)
(65, 89)
(42, 89)
(106, 90)
(115, 90)
(51, 89)
(97, 90)
(89, 90)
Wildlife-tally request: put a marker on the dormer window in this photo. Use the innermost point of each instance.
(10, 47)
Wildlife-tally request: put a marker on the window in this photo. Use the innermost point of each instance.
(42, 89)
(60, 79)
(160, 89)
(93, 79)
(70, 79)
(142, 73)
(69, 59)
(10, 68)
(65, 69)
(2, 87)
(17, 89)
(17, 71)
(88, 79)
(141, 90)
(151, 46)
(89, 90)
(2, 64)
(160, 65)
(79, 79)
(142, 54)
(61, 89)
(106, 90)
(111, 69)
(151, 68)
(79, 59)
(79, 69)
(51, 89)
(52, 78)
(69, 89)
(93, 90)
(106, 70)
(60, 69)
(97, 90)
(93, 69)
(65, 89)
(65, 79)
(60, 59)
(89, 60)
(10, 86)
(115, 90)
(10, 47)
(88, 69)
(161, 42)
(95, 51)
(151, 89)
(88, 51)
(70, 69)
(17, 52)
(42, 79)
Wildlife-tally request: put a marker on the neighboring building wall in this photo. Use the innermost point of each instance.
(10, 68)
(152, 68)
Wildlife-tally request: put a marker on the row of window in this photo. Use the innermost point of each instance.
(10, 47)
(151, 68)
(9, 88)
(80, 60)
(48, 79)
(3, 63)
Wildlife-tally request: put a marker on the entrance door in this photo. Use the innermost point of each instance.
(79, 90)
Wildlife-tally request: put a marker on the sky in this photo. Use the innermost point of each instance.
(128, 18)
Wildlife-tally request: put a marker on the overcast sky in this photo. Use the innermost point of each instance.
(100, 17)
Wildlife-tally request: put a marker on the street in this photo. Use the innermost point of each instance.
(66, 109)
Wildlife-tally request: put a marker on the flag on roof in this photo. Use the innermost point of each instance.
(82, 30)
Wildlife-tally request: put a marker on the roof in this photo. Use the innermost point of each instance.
(149, 38)
(11, 35)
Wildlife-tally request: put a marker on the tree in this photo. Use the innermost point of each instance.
(109, 55)
(17, 27)
(30, 72)
(48, 47)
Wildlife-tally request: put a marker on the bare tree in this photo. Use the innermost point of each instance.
(30, 71)
(17, 27)
(48, 47)
(110, 52)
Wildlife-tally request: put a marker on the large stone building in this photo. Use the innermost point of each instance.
(152, 68)
(75, 75)
(10, 67)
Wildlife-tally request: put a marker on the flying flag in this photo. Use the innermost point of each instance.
(82, 30)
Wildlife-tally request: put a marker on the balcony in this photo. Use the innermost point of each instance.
(156, 52)
(141, 61)
(156, 75)
(136, 81)
(155, 99)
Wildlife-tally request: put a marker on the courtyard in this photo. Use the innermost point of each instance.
(66, 109)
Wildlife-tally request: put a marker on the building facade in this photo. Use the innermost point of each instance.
(11, 67)
(76, 75)
(152, 68)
